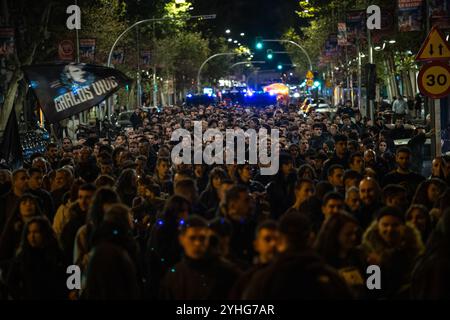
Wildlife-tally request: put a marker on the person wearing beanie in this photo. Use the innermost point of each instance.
(393, 246)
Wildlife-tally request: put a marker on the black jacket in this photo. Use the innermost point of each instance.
(136, 120)
(69, 232)
(45, 202)
(430, 278)
(297, 275)
(367, 214)
(209, 199)
(163, 251)
(38, 274)
(10, 238)
(88, 171)
(334, 160)
(207, 279)
(57, 196)
(8, 204)
(281, 194)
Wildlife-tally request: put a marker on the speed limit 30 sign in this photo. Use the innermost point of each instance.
(434, 80)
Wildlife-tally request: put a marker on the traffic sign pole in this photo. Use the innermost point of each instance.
(437, 127)
(434, 80)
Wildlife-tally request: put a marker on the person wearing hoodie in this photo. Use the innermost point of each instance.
(393, 246)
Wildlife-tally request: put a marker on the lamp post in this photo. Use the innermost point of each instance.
(246, 62)
(153, 20)
(206, 61)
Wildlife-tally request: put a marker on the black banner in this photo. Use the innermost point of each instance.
(11, 148)
(64, 90)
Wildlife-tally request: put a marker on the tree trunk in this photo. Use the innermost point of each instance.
(18, 75)
(391, 65)
(412, 78)
(132, 95)
(5, 10)
(407, 84)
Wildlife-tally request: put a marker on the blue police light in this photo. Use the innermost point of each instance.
(189, 95)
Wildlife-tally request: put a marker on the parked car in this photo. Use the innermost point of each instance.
(123, 120)
(321, 105)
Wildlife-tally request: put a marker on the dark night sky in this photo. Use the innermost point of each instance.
(265, 18)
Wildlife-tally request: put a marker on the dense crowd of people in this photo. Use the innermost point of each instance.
(139, 226)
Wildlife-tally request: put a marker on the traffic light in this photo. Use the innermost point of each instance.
(269, 54)
(259, 43)
(280, 67)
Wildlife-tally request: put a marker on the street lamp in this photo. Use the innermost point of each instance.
(206, 61)
(280, 67)
(269, 54)
(242, 34)
(230, 40)
(379, 48)
(235, 41)
(227, 31)
(200, 17)
(247, 63)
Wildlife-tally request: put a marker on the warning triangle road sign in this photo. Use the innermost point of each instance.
(434, 47)
(309, 75)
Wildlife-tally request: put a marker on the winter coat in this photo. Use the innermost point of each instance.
(88, 171)
(45, 202)
(8, 203)
(10, 238)
(38, 274)
(431, 278)
(57, 196)
(297, 275)
(396, 263)
(68, 234)
(281, 194)
(207, 279)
